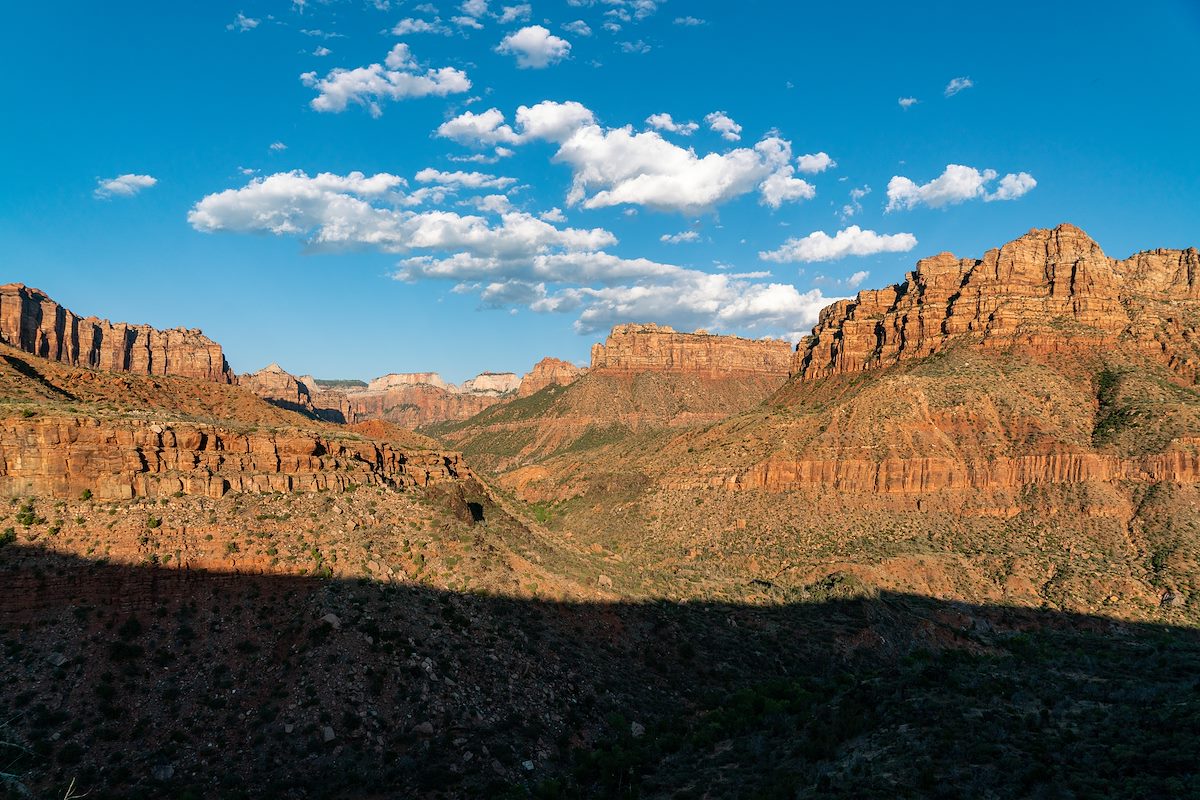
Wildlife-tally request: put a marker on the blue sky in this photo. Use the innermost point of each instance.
(140, 181)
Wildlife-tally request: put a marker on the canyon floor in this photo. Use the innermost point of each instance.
(949, 547)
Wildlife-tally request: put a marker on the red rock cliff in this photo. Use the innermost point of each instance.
(548, 372)
(31, 321)
(659, 348)
(1049, 291)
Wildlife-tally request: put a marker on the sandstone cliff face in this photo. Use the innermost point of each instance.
(275, 385)
(491, 383)
(31, 321)
(1049, 291)
(408, 399)
(121, 459)
(548, 372)
(659, 348)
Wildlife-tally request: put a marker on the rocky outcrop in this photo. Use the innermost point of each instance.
(31, 321)
(120, 459)
(495, 384)
(937, 474)
(659, 348)
(408, 399)
(1050, 291)
(279, 387)
(548, 372)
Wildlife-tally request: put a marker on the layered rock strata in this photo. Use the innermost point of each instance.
(121, 459)
(548, 372)
(407, 399)
(1049, 291)
(660, 348)
(31, 321)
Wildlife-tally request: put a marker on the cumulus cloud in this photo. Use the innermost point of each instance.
(474, 8)
(957, 85)
(679, 238)
(956, 184)
(278, 146)
(781, 187)
(534, 47)
(398, 78)
(663, 122)
(616, 166)
(907, 102)
(471, 180)
(813, 163)
(693, 299)
(578, 27)
(485, 128)
(123, 185)
(510, 258)
(855, 280)
(336, 212)
(852, 241)
(1011, 187)
(689, 22)
(721, 123)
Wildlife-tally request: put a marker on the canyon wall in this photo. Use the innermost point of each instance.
(409, 400)
(548, 372)
(31, 321)
(120, 459)
(1050, 291)
(659, 348)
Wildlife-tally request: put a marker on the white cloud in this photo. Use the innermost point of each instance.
(413, 25)
(615, 166)
(689, 22)
(123, 185)
(639, 47)
(553, 122)
(322, 51)
(663, 122)
(578, 27)
(241, 23)
(517, 13)
(470, 180)
(855, 204)
(855, 280)
(369, 86)
(955, 185)
(813, 163)
(278, 146)
(467, 22)
(354, 211)
(484, 128)
(957, 85)
(907, 102)
(691, 300)
(720, 122)
(553, 215)
(781, 187)
(511, 259)
(534, 47)
(1011, 187)
(474, 8)
(679, 238)
(852, 241)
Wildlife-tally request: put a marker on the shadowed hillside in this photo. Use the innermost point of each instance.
(146, 682)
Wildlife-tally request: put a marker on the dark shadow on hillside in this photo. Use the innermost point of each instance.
(150, 682)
